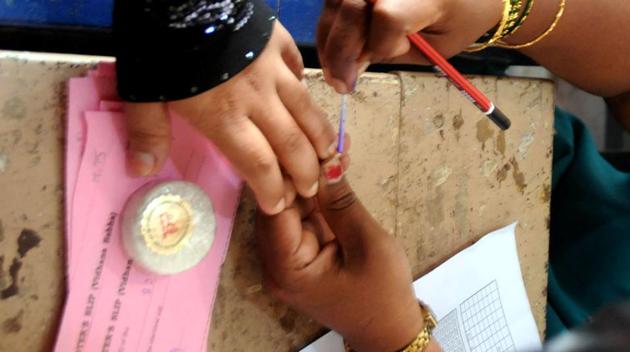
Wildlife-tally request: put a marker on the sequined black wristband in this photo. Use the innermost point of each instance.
(167, 52)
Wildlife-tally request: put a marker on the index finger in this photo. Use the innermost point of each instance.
(251, 155)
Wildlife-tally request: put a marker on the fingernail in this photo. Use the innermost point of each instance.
(312, 191)
(333, 172)
(142, 164)
(331, 150)
(304, 83)
(354, 85)
(338, 85)
(279, 207)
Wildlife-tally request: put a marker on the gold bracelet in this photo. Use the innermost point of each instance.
(521, 19)
(501, 44)
(420, 343)
(507, 8)
(513, 20)
(513, 17)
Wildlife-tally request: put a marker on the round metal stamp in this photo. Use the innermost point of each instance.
(168, 227)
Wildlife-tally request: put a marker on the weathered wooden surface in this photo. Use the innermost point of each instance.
(433, 171)
(460, 177)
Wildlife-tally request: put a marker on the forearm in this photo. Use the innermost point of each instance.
(589, 47)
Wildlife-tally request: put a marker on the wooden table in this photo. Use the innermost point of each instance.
(433, 170)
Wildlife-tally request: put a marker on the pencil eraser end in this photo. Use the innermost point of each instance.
(499, 118)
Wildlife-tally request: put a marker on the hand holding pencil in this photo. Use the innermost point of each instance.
(354, 33)
(346, 48)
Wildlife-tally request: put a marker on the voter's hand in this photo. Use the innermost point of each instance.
(328, 258)
(263, 120)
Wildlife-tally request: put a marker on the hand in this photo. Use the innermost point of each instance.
(263, 120)
(354, 33)
(328, 258)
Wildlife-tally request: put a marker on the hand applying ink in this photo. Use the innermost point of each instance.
(351, 34)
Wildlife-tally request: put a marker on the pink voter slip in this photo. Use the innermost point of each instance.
(112, 305)
(84, 94)
(95, 92)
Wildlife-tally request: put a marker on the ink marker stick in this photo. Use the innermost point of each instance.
(342, 122)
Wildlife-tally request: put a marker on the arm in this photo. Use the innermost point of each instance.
(589, 46)
(234, 73)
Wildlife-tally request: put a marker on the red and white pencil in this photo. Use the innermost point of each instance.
(462, 84)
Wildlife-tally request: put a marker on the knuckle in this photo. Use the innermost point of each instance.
(225, 115)
(390, 18)
(264, 163)
(351, 9)
(341, 198)
(387, 14)
(254, 82)
(293, 140)
(149, 137)
(229, 104)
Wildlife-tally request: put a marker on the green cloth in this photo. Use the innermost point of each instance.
(589, 259)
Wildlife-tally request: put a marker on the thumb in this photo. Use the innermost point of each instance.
(149, 131)
(348, 219)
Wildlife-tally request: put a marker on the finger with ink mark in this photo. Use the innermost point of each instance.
(333, 170)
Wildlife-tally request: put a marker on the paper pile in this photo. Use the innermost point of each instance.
(112, 305)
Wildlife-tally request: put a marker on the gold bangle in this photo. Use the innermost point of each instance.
(501, 44)
(513, 17)
(507, 8)
(420, 343)
(519, 22)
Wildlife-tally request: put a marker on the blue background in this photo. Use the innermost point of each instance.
(299, 16)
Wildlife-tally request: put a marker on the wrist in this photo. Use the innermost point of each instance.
(391, 335)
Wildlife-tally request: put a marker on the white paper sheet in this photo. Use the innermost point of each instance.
(478, 297)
